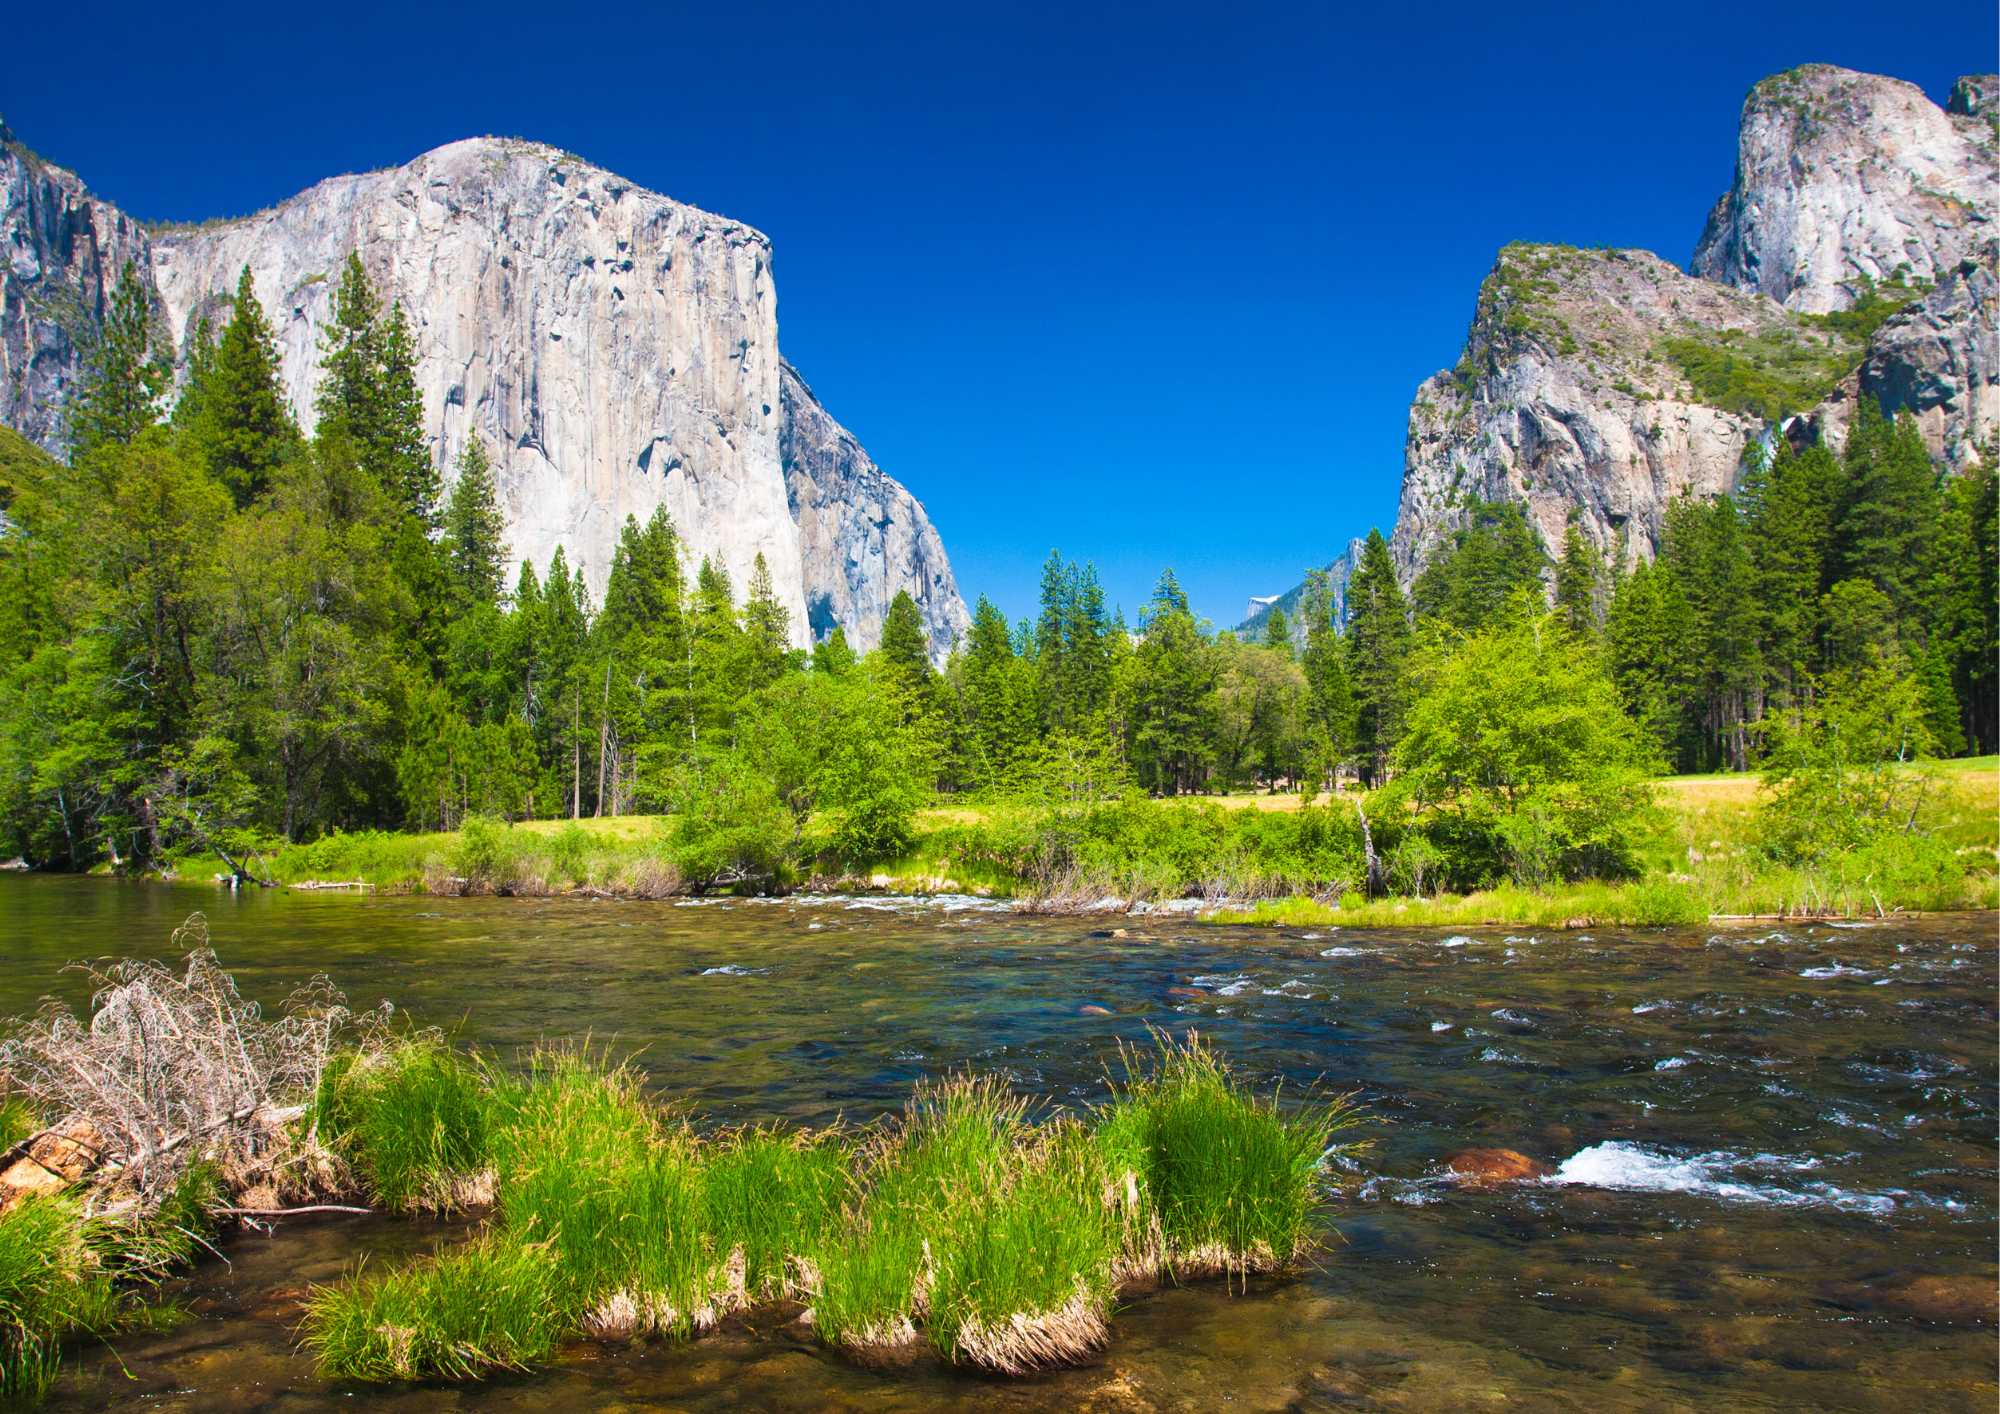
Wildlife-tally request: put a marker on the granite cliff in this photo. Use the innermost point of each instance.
(1601, 384)
(615, 349)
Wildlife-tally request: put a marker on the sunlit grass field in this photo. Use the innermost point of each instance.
(1699, 859)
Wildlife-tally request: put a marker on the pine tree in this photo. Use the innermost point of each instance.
(241, 425)
(1051, 666)
(1491, 560)
(1788, 510)
(767, 628)
(998, 718)
(905, 645)
(1378, 636)
(1173, 710)
(368, 392)
(401, 450)
(1705, 553)
(474, 530)
(1886, 522)
(1277, 633)
(126, 378)
(563, 625)
(1647, 637)
(1329, 707)
(350, 357)
(832, 655)
(714, 657)
(1579, 581)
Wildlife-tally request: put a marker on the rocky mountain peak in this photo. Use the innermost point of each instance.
(1846, 182)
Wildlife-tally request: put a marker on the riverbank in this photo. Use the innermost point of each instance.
(1266, 859)
(996, 1229)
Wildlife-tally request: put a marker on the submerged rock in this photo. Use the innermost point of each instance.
(1488, 1168)
(1941, 1300)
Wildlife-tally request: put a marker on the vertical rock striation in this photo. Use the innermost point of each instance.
(64, 250)
(617, 351)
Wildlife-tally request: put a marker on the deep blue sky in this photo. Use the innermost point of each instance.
(1153, 284)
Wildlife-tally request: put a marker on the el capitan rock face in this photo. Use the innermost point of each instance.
(616, 350)
(865, 536)
(63, 251)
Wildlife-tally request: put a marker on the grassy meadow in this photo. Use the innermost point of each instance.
(1261, 858)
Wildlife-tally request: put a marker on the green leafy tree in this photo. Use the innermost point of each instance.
(1516, 759)
(841, 762)
(1840, 769)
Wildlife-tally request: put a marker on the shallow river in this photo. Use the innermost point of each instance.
(1774, 1148)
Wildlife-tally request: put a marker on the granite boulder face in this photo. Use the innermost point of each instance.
(1578, 396)
(1846, 181)
(616, 350)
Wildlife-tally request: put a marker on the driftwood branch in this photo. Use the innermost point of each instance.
(289, 1212)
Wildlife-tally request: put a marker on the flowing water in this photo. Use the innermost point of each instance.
(1774, 1148)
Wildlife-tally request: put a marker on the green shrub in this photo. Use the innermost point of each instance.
(487, 854)
(568, 852)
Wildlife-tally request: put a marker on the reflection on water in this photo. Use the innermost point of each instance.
(1773, 1150)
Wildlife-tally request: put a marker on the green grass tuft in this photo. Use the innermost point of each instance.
(775, 1196)
(1230, 1179)
(52, 1284)
(412, 1120)
(488, 1305)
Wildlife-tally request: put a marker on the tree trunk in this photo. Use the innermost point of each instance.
(603, 736)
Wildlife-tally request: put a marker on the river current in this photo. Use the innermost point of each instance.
(1773, 1148)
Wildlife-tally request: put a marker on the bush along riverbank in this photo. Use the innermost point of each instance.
(601, 1213)
(1839, 841)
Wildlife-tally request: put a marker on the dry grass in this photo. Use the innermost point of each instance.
(174, 1070)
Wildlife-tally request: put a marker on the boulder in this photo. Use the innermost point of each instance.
(1489, 1168)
